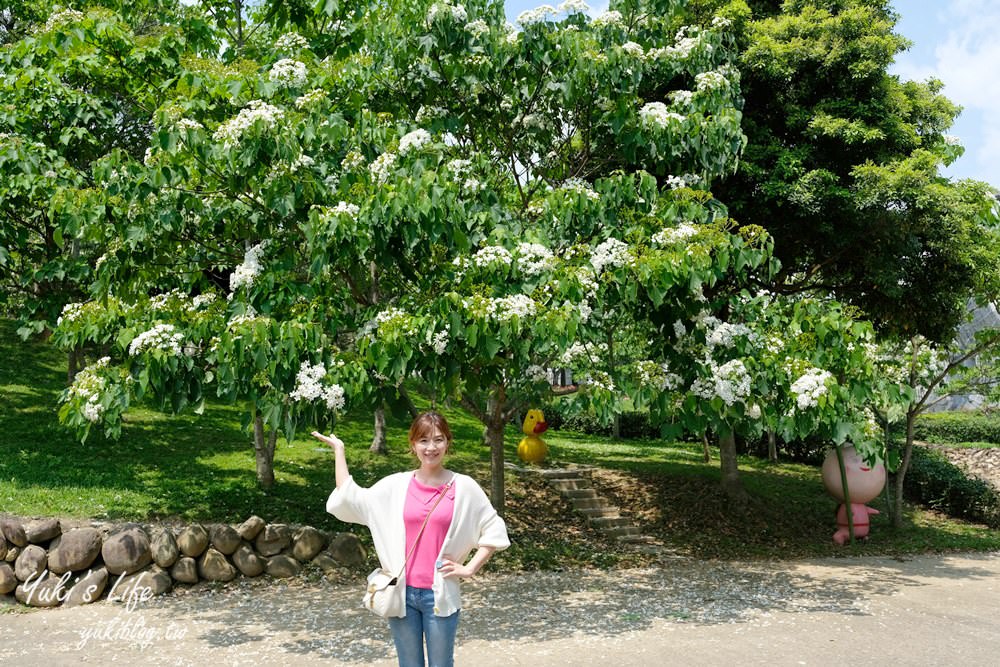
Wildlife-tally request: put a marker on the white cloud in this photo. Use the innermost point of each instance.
(967, 59)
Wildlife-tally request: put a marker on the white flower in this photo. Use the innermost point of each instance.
(440, 342)
(585, 310)
(574, 7)
(92, 410)
(753, 412)
(492, 254)
(508, 307)
(685, 181)
(478, 27)
(573, 353)
(245, 273)
(230, 132)
(64, 17)
(730, 382)
(291, 42)
(537, 15)
(710, 81)
(633, 49)
(656, 115)
(611, 252)
(809, 387)
(70, 312)
(681, 97)
(725, 334)
(382, 166)
(160, 337)
(334, 397)
(456, 13)
(600, 380)
(458, 166)
(352, 160)
(666, 237)
(288, 73)
(535, 373)
(473, 185)
(534, 258)
(389, 320)
(311, 98)
(204, 299)
(413, 141)
(721, 22)
(608, 18)
(344, 208)
(580, 187)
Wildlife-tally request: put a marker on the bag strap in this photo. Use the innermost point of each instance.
(426, 519)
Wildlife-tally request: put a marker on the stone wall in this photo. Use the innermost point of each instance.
(44, 565)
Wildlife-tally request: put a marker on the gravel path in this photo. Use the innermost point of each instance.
(920, 611)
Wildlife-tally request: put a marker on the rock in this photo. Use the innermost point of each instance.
(13, 531)
(213, 566)
(282, 566)
(42, 531)
(326, 563)
(225, 539)
(248, 562)
(346, 549)
(88, 588)
(31, 562)
(307, 542)
(3, 547)
(185, 570)
(142, 585)
(164, 548)
(250, 528)
(77, 549)
(126, 550)
(193, 541)
(8, 580)
(274, 538)
(12, 554)
(46, 591)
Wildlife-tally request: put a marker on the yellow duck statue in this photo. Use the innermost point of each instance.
(532, 449)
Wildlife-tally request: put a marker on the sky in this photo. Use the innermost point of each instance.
(956, 41)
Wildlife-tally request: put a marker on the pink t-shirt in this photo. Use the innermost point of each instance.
(419, 501)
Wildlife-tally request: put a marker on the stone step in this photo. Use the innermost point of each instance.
(581, 494)
(565, 474)
(570, 484)
(603, 522)
(603, 512)
(589, 503)
(620, 532)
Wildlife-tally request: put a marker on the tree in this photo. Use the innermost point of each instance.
(821, 111)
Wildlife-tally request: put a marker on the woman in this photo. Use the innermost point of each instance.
(426, 601)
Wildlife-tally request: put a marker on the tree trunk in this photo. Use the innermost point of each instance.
(848, 509)
(904, 465)
(493, 437)
(263, 446)
(772, 446)
(706, 452)
(410, 407)
(72, 365)
(616, 427)
(379, 445)
(732, 486)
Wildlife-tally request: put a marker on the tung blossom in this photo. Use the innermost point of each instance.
(288, 73)
(809, 387)
(611, 252)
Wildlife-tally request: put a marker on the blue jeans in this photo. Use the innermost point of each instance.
(420, 623)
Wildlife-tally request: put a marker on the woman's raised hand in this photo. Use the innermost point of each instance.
(332, 440)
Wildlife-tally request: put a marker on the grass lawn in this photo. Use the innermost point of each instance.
(201, 468)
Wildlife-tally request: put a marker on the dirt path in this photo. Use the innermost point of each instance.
(920, 611)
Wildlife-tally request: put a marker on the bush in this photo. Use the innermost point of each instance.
(631, 424)
(957, 427)
(933, 481)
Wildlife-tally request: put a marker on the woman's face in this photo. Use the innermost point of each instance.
(430, 448)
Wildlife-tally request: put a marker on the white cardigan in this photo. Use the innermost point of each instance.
(474, 524)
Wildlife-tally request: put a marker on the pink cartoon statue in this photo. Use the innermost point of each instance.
(864, 483)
